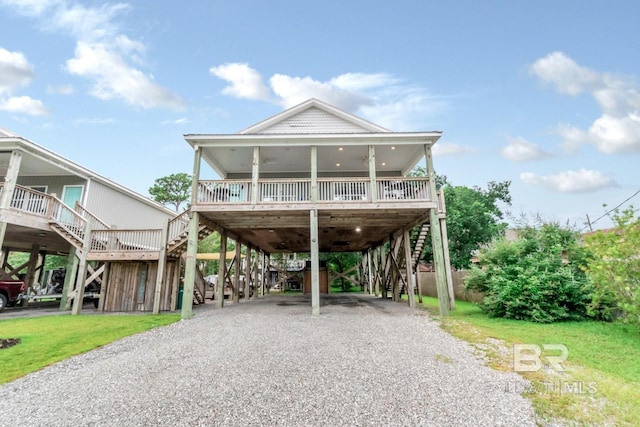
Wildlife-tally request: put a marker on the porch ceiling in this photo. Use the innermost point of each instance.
(287, 230)
(337, 153)
(22, 238)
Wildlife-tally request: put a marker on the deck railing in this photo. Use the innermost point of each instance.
(329, 190)
(178, 226)
(68, 219)
(126, 240)
(32, 201)
(96, 223)
(284, 190)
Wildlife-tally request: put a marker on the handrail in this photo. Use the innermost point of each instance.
(178, 225)
(389, 189)
(96, 223)
(126, 240)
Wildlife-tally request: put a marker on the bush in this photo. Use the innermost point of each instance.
(539, 277)
(614, 269)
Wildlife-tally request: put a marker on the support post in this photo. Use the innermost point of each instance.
(6, 195)
(236, 275)
(442, 215)
(222, 269)
(162, 259)
(186, 311)
(78, 298)
(247, 273)
(314, 174)
(315, 263)
(69, 277)
(373, 188)
(104, 287)
(409, 268)
(255, 175)
(436, 240)
(256, 274)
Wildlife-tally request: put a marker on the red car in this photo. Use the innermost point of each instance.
(10, 292)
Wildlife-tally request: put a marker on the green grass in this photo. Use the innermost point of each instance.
(604, 354)
(50, 339)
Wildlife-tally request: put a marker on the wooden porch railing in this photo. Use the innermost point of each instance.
(329, 190)
(178, 226)
(96, 223)
(126, 240)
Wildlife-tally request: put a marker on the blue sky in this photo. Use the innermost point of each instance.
(544, 94)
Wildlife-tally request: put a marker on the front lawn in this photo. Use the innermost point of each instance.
(50, 339)
(601, 381)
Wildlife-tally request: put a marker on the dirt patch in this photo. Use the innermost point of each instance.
(9, 342)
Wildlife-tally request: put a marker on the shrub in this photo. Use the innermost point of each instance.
(614, 269)
(539, 277)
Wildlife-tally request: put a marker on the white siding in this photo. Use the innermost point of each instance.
(313, 120)
(119, 209)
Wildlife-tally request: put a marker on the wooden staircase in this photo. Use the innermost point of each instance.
(74, 237)
(419, 245)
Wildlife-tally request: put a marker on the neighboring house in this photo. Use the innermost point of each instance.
(47, 200)
(316, 179)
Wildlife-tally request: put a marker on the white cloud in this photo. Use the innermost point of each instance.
(379, 97)
(617, 130)
(15, 71)
(176, 121)
(24, 105)
(244, 81)
(581, 181)
(103, 54)
(60, 90)
(451, 149)
(521, 150)
(113, 78)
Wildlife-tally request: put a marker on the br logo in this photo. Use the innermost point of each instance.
(529, 357)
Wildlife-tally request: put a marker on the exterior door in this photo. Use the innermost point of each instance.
(72, 194)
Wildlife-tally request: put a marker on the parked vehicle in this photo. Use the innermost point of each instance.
(10, 292)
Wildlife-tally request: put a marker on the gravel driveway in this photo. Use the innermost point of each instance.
(363, 361)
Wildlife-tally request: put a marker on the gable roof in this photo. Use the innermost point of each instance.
(40, 161)
(313, 117)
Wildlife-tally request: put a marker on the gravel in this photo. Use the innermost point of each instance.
(364, 361)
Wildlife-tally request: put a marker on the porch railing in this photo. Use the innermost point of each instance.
(126, 240)
(178, 226)
(329, 190)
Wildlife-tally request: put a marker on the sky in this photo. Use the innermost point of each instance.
(543, 94)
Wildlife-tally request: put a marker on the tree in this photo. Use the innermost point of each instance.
(474, 217)
(174, 189)
(614, 268)
(340, 262)
(538, 277)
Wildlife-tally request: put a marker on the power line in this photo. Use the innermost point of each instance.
(611, 210)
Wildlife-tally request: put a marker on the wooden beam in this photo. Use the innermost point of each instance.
(10, 180)
(69, 278)
(222, 273)
(104, 286)
(236, 276)
(436, 241)
(82, 272)
(315, 263)
(314, 174)
(445, 248)
(190, 265)
(409, 268)
(373, 189)
(255, 174)
(247, 273)
(162, 260)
